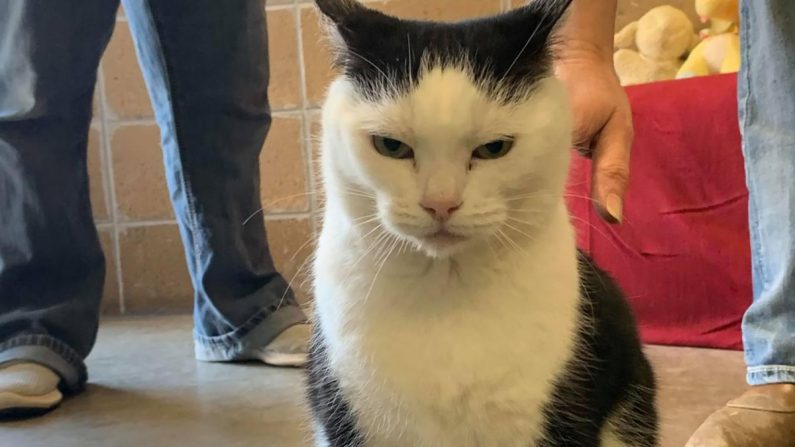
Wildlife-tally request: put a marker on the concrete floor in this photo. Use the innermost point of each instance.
(146, 390)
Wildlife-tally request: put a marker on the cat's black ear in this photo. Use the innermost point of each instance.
(353, 30)
(340, 11)
(547, 14)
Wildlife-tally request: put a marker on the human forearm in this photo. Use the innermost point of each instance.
(589, 28)
(602, 115)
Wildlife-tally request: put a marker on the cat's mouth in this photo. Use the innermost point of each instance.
(442, 242)
(444, 237)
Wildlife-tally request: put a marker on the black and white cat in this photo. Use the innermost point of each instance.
(452, 306)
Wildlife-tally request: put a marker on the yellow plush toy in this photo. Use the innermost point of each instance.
(722, 15)
(719, 52)
(653, 47)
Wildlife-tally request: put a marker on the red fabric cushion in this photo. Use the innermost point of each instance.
(682, 254)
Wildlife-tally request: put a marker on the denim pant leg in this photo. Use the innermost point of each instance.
(767, 121)
(206, 67)
(51, 263)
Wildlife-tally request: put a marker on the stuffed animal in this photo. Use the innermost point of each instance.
(722, 16)
(719, 52)
(653, 47)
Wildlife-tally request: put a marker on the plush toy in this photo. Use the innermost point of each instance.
(653, 47)
(722, 15)
(719, 52)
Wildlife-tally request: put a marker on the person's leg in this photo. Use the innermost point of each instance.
(206, 67)
(767, 108)
(765, 415)
(51, 264)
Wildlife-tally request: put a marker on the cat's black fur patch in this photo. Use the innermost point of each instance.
(608, 378)
(505, 54)
(327, 402)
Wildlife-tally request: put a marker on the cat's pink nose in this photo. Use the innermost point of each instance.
(440, 209)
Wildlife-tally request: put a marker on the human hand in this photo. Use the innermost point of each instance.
(602, 124)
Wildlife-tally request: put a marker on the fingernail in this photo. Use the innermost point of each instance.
(614, 207)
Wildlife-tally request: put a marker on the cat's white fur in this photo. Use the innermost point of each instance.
(439, 343)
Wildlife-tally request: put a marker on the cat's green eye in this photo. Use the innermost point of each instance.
(492, 150)
(392, 148)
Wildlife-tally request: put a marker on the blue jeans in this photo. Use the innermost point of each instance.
(206, 68)
(767, 121)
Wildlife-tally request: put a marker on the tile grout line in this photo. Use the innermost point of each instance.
(294, 114)
(96, 124)
(104, 226)
(151, 121)
(288, 216)
(146, 223)
(114, 218)
(124, 225)
(133, 121)
(280, 6)
(306, 143)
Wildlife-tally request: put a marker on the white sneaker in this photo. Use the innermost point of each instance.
(290, 348)
(28, 389)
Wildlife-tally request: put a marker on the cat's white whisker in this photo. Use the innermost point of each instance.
(511, 242)
(272, 203)
(380, 267)
(532, 195)
(383, 73)
(623, 248)
(403, 244)
(501, 238)
(521, 52)
(364, 217)
(359, 194)
(374, 245)
(529, 212)
(373, 230)
(491, 247)
(384, 250)
(301, 247)
(409, 60)
(367, 220)
(521, 232)
(297, 273)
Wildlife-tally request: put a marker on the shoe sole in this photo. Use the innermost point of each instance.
(14, 406)
(283, 360)
(269, 358)
(21, 413)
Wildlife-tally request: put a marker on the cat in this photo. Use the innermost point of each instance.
(452, 307)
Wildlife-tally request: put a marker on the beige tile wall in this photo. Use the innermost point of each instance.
(146, 268)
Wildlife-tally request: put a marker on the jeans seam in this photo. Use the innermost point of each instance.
(171, 89)
(746, 79)
(768, 375)
(745, 104)
(756, 246)
(771, 368)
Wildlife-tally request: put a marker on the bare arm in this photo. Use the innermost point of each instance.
(603, 119)
(589, 27)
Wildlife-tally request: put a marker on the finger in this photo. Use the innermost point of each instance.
(611, 167)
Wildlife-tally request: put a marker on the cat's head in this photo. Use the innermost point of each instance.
(448, 133)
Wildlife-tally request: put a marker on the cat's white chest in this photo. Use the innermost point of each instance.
(435, 362)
